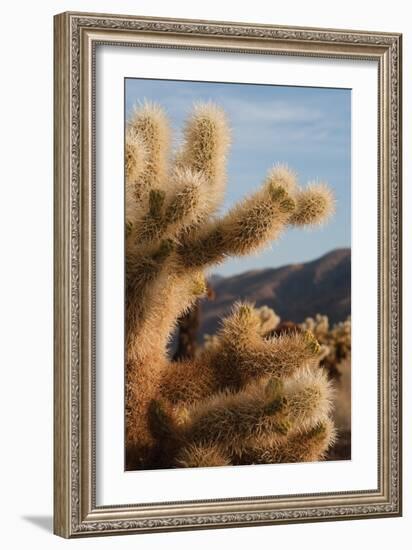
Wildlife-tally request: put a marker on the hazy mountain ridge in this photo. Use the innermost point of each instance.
(294, 291)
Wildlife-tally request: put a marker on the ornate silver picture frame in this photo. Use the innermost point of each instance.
(77, 510)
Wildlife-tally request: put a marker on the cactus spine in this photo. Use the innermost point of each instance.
(247, 398)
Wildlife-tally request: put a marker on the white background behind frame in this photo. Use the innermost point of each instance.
(27, 493)
(114, 486)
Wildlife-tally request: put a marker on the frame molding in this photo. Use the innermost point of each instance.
(75, 38)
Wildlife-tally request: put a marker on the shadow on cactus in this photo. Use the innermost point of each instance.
(247, 399)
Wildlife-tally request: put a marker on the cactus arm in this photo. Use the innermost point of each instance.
(242, 354)
(204, 150)
(150, 126)
(314, 205)
(258, 220)
(308, 445)
(147, 143)
(232, 419)
(268, 421)
(240, 357)
(246, 228)
(265, 408)
(279, 357)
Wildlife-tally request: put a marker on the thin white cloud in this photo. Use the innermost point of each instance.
(272, 112)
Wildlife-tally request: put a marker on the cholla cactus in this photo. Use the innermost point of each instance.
(335, 342)
(268, 321)
(249, 398)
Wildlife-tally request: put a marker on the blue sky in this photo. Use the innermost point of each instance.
(307, 128)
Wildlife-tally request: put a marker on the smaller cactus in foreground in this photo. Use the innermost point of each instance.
(276, 405)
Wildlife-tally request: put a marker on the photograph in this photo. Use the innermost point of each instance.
(237, 274)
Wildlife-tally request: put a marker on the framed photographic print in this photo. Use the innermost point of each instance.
(227, 274)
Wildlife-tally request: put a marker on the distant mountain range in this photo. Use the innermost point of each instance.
(294, 291)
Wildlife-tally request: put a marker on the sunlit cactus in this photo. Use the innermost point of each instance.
(335, 342)
(268, 321)
(248, 396)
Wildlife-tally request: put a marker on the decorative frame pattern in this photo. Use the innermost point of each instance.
(76, 37)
